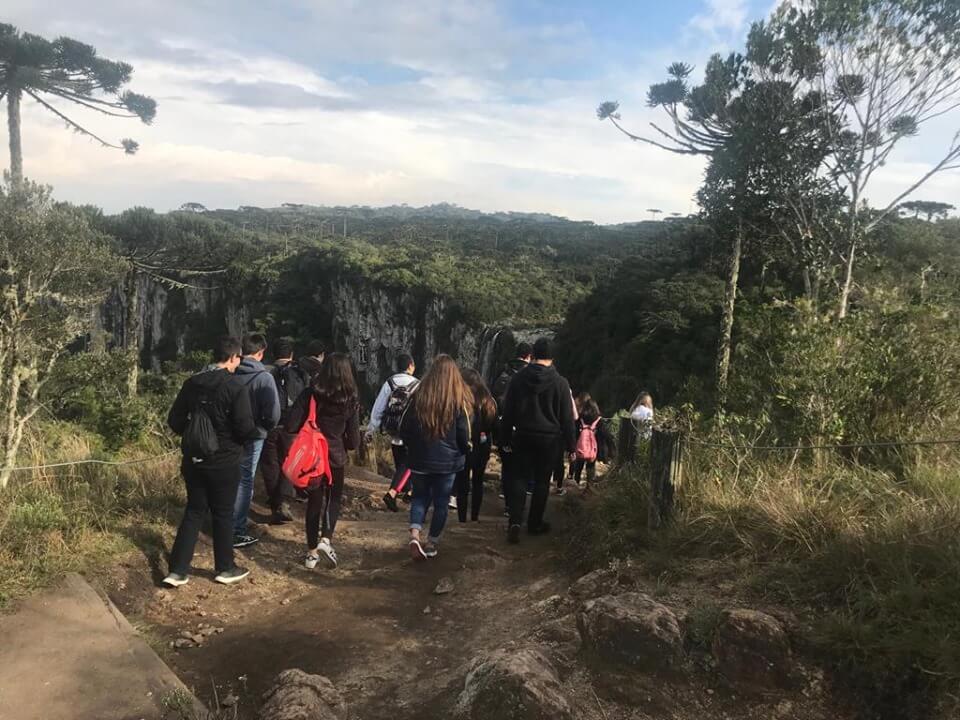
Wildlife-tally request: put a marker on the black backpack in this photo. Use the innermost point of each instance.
(396, 405)
(199, 441)
(291, 382)
(500, 385)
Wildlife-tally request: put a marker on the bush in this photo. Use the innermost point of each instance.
(871, 556)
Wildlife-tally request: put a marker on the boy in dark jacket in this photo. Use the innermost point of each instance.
(212, 481)
(537, 426)
(291, 380)
(499, 392)
(265, 404)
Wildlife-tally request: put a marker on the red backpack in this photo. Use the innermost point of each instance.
(587, 441)
(308, 462)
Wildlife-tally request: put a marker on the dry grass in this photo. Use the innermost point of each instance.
(871, 557)
(76, 518)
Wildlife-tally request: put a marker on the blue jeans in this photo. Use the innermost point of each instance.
(427, 489)
(248, 468)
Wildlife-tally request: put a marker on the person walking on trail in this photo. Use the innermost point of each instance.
(435, 429)
(641, 413)
(212, 415)
(334, 390)
(560, 473)
(291, 379)
(538, 426)
(499, 391)
(469, 483)
(589, 432)
(310, 362)
(265, 403)
(392, 399)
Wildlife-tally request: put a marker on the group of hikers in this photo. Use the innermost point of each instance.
(297, 419)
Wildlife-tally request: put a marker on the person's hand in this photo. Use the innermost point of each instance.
(368, 435)
(573, 457)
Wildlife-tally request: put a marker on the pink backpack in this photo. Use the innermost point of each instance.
(587, 441)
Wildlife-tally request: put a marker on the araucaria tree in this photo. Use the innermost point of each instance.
(64, 70)
(54, 269)
(797, 126)
(884, 69)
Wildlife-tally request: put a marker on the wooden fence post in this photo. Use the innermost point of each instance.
(626, 443)
(666, 473)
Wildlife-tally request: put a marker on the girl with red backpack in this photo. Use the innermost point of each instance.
(333, 397)
(588, 427)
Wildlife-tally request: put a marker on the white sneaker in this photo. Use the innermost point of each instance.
(311, 560)
(326, 549)
(453, 502)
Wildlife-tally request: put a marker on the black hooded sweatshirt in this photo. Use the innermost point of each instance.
(538, 404)
(231, 415)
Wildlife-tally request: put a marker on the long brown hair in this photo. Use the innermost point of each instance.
(581, 401)
(441, 396)
(334, 383)
(483, 402)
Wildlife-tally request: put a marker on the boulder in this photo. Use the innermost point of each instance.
(631, 629)
(296, 695)
(752, 651)
(594, 584)
(519, 684)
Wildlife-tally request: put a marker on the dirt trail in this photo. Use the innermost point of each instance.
(394, 648)
(374, 625)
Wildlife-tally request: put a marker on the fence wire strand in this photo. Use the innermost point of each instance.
(114, 463)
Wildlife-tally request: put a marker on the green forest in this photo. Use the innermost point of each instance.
(803, 337)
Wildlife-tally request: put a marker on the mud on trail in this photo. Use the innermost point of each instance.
(375, 626)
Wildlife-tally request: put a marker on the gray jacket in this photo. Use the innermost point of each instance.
(264, 399)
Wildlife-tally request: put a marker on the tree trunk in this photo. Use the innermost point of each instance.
(847, 281)
(726, 323)
(13, 126)
(131, 332)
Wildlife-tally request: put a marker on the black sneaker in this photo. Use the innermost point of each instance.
(282, 514)
(175, 580)
(242, 541)
(391, 502)
(229, 577)
(513, 534)
(541, 529)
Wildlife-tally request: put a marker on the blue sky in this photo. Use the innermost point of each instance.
(485, 103)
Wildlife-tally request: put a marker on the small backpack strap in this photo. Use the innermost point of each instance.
(312, 416)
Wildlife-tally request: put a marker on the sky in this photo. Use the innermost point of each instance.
(489, 104)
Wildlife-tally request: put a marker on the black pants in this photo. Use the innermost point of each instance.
(560, 471)
(506, 465)
(275, 448)
(207, 489)
(535, 459)
(470, 483)
(323, 508)
(401, 474)
(578, 466)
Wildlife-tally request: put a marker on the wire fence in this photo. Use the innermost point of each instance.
(91, 461)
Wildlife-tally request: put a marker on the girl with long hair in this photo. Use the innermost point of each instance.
(588, 422)
(334, 390)
(435, 429)
(469, 483)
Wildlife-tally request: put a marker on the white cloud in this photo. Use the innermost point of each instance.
(721, 16)
(373, 102)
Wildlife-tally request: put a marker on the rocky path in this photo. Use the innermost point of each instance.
(395, 648)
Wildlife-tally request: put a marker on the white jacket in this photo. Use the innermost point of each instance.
(380, 404)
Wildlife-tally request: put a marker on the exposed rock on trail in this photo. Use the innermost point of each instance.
(631, 629)
(752, 651)
(296, 695)
(513, 685)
